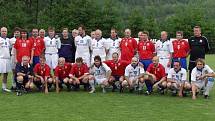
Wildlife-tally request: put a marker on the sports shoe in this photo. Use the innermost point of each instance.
(206, 96)
(147, 93)
(5, 90)
(92, 91)
(18, 93)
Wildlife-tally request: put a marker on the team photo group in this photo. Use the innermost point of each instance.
(129, 65)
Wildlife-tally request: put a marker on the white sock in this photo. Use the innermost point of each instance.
(91, 82)
(4, 85)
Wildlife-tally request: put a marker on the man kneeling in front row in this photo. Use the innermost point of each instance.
(42, 73)
(202, 77)
(24, 75)
(134, 73)
(177, 79)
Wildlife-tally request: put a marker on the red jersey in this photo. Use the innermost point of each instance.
(62, 71)
(128, 47)
(159, 71)
(118, 69)
(23, 48)
(39, 45)
(79, 71)
(145, 49)
(181, 48)
(42, 71)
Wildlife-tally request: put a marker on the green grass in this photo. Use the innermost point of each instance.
(81, 106)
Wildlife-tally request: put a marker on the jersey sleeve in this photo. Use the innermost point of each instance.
(42, 44)
(86, 69)
(149, 69)
(18, 68)
(142, 71)
(16, 45)
(163, 73)
(127, 71)
(171, 47)
(48, 71)
(153, 47)
(58, 43)
(72, 71)
(184, 76)
(106, 67)
(193, 75)
(169, 75)
(56, 72)
(209, 69)
(134, 44)
(36, 69)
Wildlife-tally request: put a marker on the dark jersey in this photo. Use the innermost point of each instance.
(67, 49)
(20, 68)
(198, 47)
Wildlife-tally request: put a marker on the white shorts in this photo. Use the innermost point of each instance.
(85, 57)
(164, 62)
(5, 65)
(100, 81)
(200, 84)
(52, 60)
(13, 64)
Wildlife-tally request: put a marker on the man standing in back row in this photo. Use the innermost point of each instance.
(128, 46)
(198, 47)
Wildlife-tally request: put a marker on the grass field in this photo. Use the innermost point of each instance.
(81, 106)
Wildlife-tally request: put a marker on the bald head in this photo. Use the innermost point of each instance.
(134, 61)
(61, 61)
(155, 60)
(164, 35)
(4, 32)
(127, 33)
(98, 34)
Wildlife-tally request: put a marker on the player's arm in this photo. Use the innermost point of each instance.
(83, 76)
(159, 82)
(21, 74)
(71, 76)
(206, 75)
(170, 59)
(32, 53)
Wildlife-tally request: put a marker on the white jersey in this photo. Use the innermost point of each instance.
(179, 77)
(12, 42)
(132, 72)
(112, 46)
(101, 72)
(83, 45)
(4, 48)
(98, 48)
(164, 49)
(52, 45)
(197, 73)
